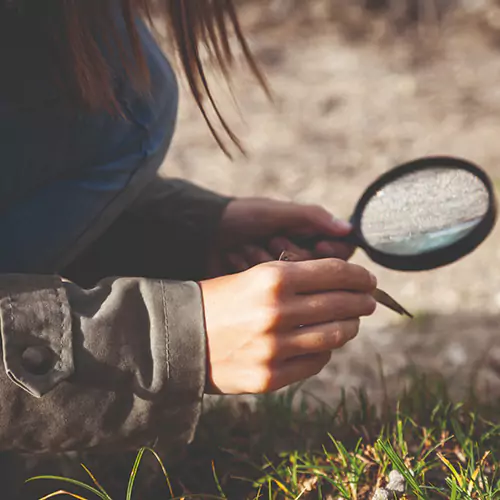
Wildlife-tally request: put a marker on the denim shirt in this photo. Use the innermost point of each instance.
(64, 178)
(123, 363)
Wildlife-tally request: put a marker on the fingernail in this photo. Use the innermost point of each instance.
(342, 224)
(374, 280)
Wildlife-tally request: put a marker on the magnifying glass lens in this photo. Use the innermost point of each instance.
(425, 211)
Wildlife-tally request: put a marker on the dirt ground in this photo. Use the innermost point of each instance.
(354, 96)
(348, 106)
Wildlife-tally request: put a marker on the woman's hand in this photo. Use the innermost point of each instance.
(277, 323)
(258, 230)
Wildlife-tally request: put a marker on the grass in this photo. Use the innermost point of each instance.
(287, 448)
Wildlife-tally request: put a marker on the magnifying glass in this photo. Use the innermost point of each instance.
(424, 214)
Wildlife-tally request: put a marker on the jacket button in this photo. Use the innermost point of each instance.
(38, 360)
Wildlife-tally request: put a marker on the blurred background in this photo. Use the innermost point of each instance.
(359, 87)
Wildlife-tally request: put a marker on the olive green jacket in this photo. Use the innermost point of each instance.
(120, 364)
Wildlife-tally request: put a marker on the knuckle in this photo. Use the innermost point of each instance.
(336, 336)
(268, 350)
(272, 276)
(261, 380)
(340, 335)
(272, 317)
(339, 267)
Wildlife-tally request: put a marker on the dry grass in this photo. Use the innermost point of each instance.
(440, 450)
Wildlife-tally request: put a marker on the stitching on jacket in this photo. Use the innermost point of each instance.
(167, 336)
(61, 313)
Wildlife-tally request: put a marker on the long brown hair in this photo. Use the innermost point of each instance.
(74, 26)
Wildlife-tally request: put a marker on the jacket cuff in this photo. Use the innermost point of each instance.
(112, 368)
(186, 362)
(37, 343)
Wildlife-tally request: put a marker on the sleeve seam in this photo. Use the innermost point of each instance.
(167, 332)
(61, 338)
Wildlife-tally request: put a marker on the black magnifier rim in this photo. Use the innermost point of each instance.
(434, 258)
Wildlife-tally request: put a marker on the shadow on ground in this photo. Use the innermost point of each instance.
(462, 348)
(459, 353)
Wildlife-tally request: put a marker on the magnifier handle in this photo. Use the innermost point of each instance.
(309, 242)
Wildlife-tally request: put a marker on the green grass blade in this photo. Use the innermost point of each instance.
(74, 482)
(398, 464)
(164, 471)
(96, 482)
(133, 474)
(217, 483)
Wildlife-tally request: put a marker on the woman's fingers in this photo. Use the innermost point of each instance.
(245, 257)
(252, 321)
(308, 351)
(278, 245)
(255, 255)
(326, 307)
(317, 339)
(322, 249)
(333, 249)
(235, 262)
(297, 369)
(329, 274)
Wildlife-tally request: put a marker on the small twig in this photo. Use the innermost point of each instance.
(386, 300)
(379, 295)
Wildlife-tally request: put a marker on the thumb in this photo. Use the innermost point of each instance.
(313, 219)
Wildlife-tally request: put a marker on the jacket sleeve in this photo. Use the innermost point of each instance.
(114, 367)
(182, 219)
(167, 233)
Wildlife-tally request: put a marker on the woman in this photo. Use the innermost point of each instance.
(87, 112)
